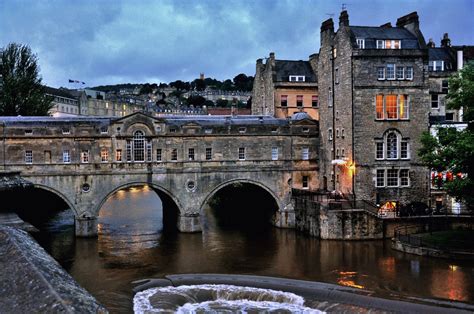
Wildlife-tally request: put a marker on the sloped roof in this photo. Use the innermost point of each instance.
(440, 54)
(377, 32)
(59, 92)
(285, 68)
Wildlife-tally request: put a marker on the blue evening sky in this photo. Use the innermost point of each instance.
(109, 42)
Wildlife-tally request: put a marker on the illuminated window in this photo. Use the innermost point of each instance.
(28, 156)
(118, 155)
(284, 100)
(104, 155)
(391, 106)
(388, 44)
(299, 101)
(403, 106)
(85, 156)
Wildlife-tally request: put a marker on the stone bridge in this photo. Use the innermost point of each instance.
(186, 160)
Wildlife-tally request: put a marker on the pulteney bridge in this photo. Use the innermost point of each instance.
(186, 160)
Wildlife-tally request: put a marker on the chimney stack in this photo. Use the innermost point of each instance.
(445, 42)
(411, 23)
(431, 43)
(344, 19)
(386, 25)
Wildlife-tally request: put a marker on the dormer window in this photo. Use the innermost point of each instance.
(104, 130)
(66, 131)
(360, 43)
(297, 78)
(437, 65)
(388, 44)
(28, 132)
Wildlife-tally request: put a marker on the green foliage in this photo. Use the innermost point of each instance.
(222, 103)
(453, 150)
(461, 93)
(196, 101)
(22, 92)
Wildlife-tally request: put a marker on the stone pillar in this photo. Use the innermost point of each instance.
(86, 226)
(189, 222)
(285, 217)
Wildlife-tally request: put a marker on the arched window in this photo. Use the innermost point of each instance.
(139, 146)
(392, 145)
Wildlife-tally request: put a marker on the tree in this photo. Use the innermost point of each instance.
(22, 92)
(452, 150)
(243, 82)
(196, 101)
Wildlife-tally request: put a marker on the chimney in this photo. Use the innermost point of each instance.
(344, 19)
(271, 60)
(445, 42)
(327, 32)
(386, 25)
(411, 23)
(327, 25)
(431, 43)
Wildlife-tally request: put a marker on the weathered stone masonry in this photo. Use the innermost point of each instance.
(186, 161)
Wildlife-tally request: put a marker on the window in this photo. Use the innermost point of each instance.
(392, 147)
(284, 100)
(391, 107)
(337, 132)
(343, 153)
(444, 87)
(242, 130)
(343, 133)
(330, 97)
(149, 156)
(299, 101)
(400, 73)
(330, 135)
(208, 153)
(449, 116)
(337, 153)
(404, 150)
(28, 156)
(380, 182)
(378, 150)
(174, 154)
(409, 73)
(66, 156)
(172, 130)
(159, 156)
(392, 177)
(241, 153)
(434, 101)
(305, 153)
(297, 78)
(388, 44)
(380, 44)
(305, 130)
(66, 131)
(191, 154)
(381, 73)
(274, 153)
(28, 132)
(139, 146)
(305, 182)
(436, 65)
(314, 101)
(104, 155)
(129, 150)
(104, 130)
(404, 177)
(208, 131)
(337, 75)
(118, 155)
(390, 71)
(85, 156)
(360, 43)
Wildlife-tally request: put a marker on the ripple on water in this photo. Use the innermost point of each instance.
(218, 298)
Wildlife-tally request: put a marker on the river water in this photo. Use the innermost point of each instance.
(132, 246)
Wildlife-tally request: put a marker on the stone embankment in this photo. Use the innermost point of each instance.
(31, 281)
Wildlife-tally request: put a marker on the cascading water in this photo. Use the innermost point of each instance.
(218, 298)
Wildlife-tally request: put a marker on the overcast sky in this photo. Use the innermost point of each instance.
(109, 42)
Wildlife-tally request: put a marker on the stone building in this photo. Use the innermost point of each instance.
(283, 87)
(374, 105)
(66, 102)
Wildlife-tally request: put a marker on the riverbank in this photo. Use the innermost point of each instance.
(332, 298)
(31, 281)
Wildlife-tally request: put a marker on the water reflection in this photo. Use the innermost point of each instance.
(132, 245)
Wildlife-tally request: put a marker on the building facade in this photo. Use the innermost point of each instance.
(282, 88)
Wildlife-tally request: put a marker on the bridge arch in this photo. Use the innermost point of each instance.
(60, 195)
(248, 181)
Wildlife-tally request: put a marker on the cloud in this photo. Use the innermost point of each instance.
(105, 42)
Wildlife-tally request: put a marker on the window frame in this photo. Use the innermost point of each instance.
(85, 156)
(241, 153)
(104, 155)
(380, 178)
(274, 153)
(390, 183)
(305, 182)
(208, 153)
(360, 43)
(390, 69)
(435, 101)
(66, 156)
(28, 157)
(299, 101)
(381, 73)
(409, 73)
(118, 155)
(283, 100)
(314, 101)
(174, 154)
(305, 153)
(191, 154)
